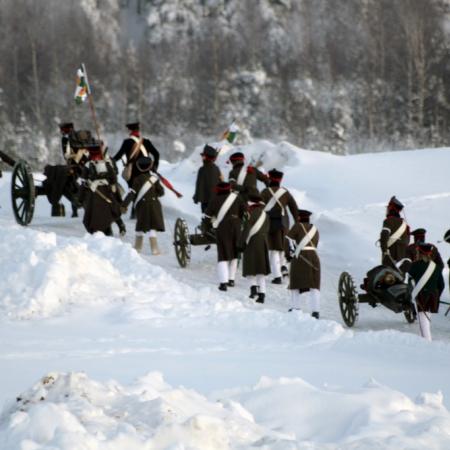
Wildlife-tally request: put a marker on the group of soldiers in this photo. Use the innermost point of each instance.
(419, 260)
(245, 221)
(100, 194)
(255, 224)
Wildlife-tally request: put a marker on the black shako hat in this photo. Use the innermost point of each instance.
(395, 203)
(236, 157)
(275, 176)
(209, 152)
(144, 164)
(424, 248)
(304, 214)
(133, 126)
(419, 232)
(66, 126)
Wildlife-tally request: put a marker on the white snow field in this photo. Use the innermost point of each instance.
(105, 349)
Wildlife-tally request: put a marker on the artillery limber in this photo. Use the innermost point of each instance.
(382, 286)
(183, 240)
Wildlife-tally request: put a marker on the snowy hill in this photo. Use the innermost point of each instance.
(115, 331)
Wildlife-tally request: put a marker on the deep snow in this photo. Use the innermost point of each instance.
(254, 376)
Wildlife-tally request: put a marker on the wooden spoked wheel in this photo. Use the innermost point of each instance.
(22, 193)
(181, 243)
(348, 299)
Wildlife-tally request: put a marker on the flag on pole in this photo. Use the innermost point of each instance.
(82, 89)
(230, 133)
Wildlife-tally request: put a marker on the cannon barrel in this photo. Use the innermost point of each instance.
(7, 159)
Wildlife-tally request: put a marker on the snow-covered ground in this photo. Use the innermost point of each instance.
(102, 348)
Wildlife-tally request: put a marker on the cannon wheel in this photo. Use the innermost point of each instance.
(181, 242)
(348, 299)
(410, 313)
(22, 193)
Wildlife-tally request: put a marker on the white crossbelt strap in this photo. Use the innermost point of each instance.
(94, 184)
(257, 226)
(275, 199)
(145, 188)
(141, 148)
(226, 205)
(423, 279)
(305, 241)
(393, 238)
(242, 175)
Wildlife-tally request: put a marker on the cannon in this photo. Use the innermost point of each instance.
(183, 240)
(382, 286)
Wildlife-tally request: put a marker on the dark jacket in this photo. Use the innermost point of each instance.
(207, 178)
(304, 273)
(256, 251)
(397, 250)
(250, 183)
(229, 229)
(149, 215)
(279, 220)
(428, 298)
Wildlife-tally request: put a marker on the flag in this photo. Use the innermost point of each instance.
(82, 89)
(230, 133)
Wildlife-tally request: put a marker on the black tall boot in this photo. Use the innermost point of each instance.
(253, 291)
(260, 298)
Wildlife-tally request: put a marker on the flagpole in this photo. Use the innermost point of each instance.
(91, 102)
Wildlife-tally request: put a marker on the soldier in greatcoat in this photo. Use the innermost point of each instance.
(394, 236)
(255, 258)
(100, 204)
(208, 176)
(304, 276)
(133, 148)
(224, 214)
(278, 201)
(429, 285)
(145, 192)
(419, 236)
(243, 179)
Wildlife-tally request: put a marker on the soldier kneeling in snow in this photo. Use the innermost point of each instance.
(428, 288)
(145, 192)
(304, 276)
(99, 201)
(224, 213)
(256, 263)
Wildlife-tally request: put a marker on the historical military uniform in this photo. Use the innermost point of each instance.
(278, 200)
(145, 193)
(304, 276)
(208, 176)
(394, 237)
(100, 204)
(133, 148)
(224, 213)
(429, 285)
(255, 258)
(412, 250)
(243, 179)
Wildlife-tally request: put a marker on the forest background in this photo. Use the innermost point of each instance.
(342, 76)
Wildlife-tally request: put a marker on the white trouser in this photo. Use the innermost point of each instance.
(295, 299)
(275, 262)
(314, 300)
(283, 261)
(232, 268)
(226, 270)
(151, 233)
(425, 325)
(260, 281)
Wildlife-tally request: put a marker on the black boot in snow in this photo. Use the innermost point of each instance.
(260, 298)
(253, 291)
(315, 314)
(223, 286)
(231, 283)
(276, 280)
(284, 271)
